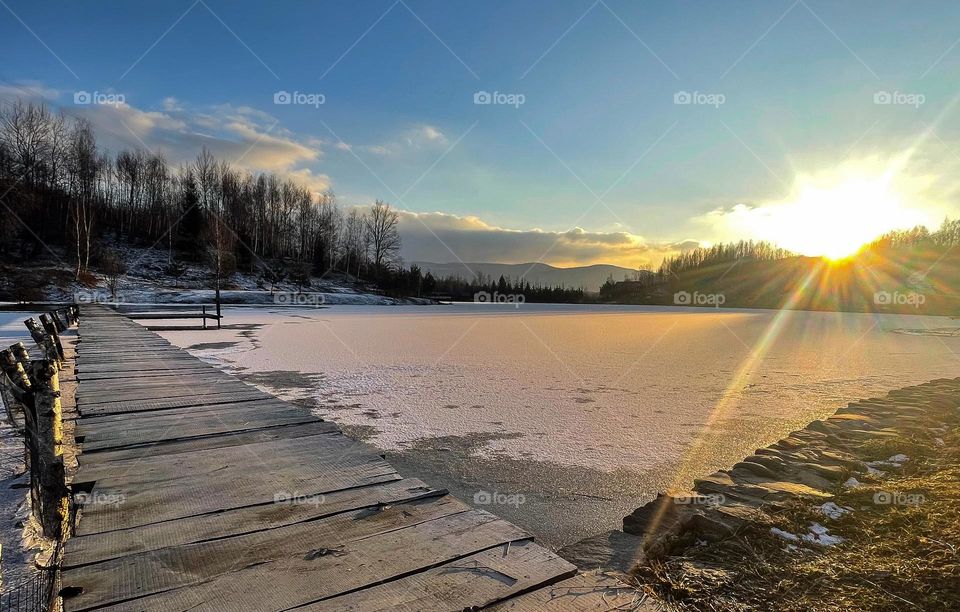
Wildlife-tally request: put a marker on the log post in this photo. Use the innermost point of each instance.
(57, 321)
(51, 330)
(49, 439)
(36, 330)
(14, 369)
(21, 354)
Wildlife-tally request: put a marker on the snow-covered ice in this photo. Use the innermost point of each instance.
(604, 387)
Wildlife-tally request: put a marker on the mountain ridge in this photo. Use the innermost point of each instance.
(589, 277)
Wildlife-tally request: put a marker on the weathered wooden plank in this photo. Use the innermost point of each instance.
(145, 405)
(171, 500)
(184, 429)
(294, 454)
(189, 445)
(267, 404)
(148, 375)
(94, 548)
(198, 391)
(591, 591)
(208, 560)
(308, 574)
(469, 583)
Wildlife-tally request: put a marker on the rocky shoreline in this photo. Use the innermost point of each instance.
(850, 453)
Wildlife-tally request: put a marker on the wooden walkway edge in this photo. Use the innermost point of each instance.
(204, 493)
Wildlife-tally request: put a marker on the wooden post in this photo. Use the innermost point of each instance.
(14, 369)
(21, 354)
(48, 439)
(51, 330)
(36, 330)
(57, 322)
(204, 311)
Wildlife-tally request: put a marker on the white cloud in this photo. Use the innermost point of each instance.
(443, 237)
(244, 137)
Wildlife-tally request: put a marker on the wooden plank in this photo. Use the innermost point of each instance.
(472, 582)
(207, 560)
(301, 577)
(183, 429)
(172, 315)
(145, 503)
(189, 445)
(148, 384)
(84, 550)
(591, 591)
(306, 454)
(145, 405)
(148, 375)
(197, 391)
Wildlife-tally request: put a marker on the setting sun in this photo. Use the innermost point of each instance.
(835, 214)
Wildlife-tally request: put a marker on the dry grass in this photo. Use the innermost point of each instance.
(895, 556)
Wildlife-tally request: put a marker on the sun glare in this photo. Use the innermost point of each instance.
(837, 217)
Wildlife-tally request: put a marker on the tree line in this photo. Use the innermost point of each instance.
(60, 188)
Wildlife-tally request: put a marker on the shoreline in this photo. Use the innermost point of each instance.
(831, 489)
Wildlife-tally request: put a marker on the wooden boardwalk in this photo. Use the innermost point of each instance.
(204, 493)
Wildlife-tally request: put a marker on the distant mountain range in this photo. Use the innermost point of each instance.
(589, 278)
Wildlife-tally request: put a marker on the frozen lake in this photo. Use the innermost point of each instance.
(586, 409)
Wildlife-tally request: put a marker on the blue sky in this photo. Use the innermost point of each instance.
(786, 94)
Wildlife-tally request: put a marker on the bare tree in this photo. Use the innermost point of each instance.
(384, 235)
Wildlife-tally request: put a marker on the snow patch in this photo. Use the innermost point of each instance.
(834, 511)
(820, 536)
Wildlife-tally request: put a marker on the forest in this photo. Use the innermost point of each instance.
(58, 189)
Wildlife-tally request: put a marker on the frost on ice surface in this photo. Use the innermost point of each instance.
(834, 511)
(851, 483)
